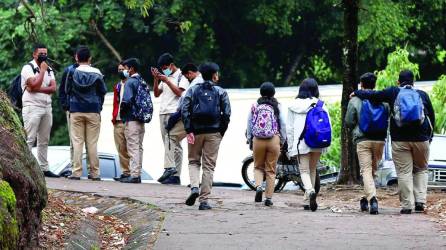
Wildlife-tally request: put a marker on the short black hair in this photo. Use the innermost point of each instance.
(37, 46)
(189, 67)
(165, 59)
(368, 80)
(208, 69)
(83, 53)
(267, 89)
(132, 63)
(308, 89)
(406, 77)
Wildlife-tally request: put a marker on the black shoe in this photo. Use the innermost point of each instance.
(313, 203)
(50, 174)
(419, 207)
(121, 177)
(190, 201)
(168, 172)
(259, 193)
(95, 178)
(306, 207)
(373, 205)
(406, 211)
(74, 178)
(89, 177)
(204, 206)
(131, 180)
(268, 202)
(364, 204)
(172, 180)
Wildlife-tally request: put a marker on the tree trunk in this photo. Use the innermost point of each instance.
(293, 68)
(349, 172)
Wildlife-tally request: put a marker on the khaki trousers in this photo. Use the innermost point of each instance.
(173, 139)
(203, 152)
(175, 146)
(411, 161)
(266, 152)
(38, 122)
(369, 155)
(307, 167)
(121, 147)
(134, 134)
(67, 113)
(85, 129)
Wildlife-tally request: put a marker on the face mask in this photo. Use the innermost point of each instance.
(41, 58)
(167, 72)
(125, 73)
(121, 75)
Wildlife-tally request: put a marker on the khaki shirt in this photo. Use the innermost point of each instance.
(32, 98)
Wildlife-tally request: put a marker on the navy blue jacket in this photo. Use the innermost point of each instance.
(415, 133)
(128, 99)
(86, 91)
(64, 100)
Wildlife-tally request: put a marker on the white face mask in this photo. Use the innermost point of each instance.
(126, 73)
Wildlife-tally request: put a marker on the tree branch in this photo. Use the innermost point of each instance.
(26, 5)
(105, 41)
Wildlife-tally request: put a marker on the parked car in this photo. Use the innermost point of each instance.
(386, 173)
(60, 164)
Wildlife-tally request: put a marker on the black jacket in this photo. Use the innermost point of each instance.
(407, 133)
(192, 126)
(64, 99)
(128, 99)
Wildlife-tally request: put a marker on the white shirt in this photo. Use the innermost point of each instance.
(33, 98)
(121, 94)
(169, 101)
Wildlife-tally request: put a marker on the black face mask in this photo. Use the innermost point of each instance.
(121, 75)
(41, 58)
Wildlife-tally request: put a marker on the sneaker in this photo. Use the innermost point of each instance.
(313, 203)
(95, 178)
(406, 211)
(373, 205)
(419, 207)
(50, 174)
(364, 204)
(306, 207)
(204, 206)
(74, 178)
(131, 180)
(168, 172)
(121, 177)
(259, 193)
(190, 201)
(89, 176)
(268, 202)
(172, 180)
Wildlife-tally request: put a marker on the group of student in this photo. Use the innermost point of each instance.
(192, 106)
(306, 134)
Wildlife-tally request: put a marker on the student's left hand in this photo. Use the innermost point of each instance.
(163, 78)
(191, 138)
(352, 95)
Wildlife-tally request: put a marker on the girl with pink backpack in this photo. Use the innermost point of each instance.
(266, 133)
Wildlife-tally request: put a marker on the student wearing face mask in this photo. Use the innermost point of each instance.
(169, 86)
(38, 84)
(118, 124)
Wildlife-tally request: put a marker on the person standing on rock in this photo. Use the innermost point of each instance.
(169, 86)
(38, 84)
(119, 126)
(411, 130)
(86, 91)
(206, 112)
(308, 135)
(369, 123)
(266, 132)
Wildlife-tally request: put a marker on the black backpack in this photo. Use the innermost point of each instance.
(15, 91)
(206, 104)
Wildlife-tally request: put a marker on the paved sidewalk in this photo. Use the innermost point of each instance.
(237, 223)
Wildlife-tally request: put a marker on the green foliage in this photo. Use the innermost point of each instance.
(320, 70)
(441, 56)
(438, 98)
(332, 157)
(9, 231)
(396, 62)
(143, 5)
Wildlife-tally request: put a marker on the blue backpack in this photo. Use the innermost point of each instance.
(206, 104)
(142, 109)
(317, 130)
(373, 118)
(408, 108)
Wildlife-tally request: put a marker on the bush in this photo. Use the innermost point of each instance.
(438, 98)
(333, 156)
(396, 62)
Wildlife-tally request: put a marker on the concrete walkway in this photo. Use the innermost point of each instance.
(237, 223)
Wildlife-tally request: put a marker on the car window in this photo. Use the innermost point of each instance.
(56, 158)
(107, 167)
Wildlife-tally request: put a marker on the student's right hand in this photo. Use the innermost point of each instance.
(43, 66)
(191, 138)
(352, 95)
